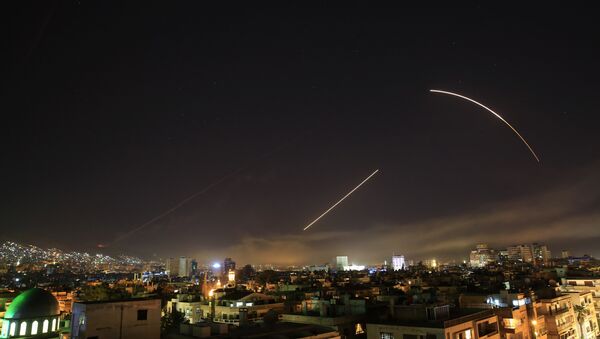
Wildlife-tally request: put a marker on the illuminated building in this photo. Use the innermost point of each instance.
(522, 253)
(172, 266)
(231, 278)
(134, 318)
(512, 310)
(481, 256)
(65, 301)
(435, 323)
(541, 254)
(586, 313)
(430, 263)
(32, 314)
(585, 284)
(565, 254)
(184, 267)
(398, 262)
(560, 318)
(343, 313)
(340, 262)
(354, 267)
(188, 305)
(234, 308)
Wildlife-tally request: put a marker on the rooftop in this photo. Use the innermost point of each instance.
(116, 301)
(457, 316)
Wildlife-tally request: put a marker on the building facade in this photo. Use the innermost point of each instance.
(560, 319)
(522, 253)
(136, 318)
(478, 325)
(184, 267)
(481, 256)
(341, 261)
(398, 262)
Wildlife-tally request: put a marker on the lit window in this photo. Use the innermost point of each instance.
(468, 334)
(53, 325)
(5, 326)
(34, 327)
(13, 328)
(23, 328)
(45, 326)
(386, 335)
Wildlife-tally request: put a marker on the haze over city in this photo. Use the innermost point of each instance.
(114, 116)
(314, 170)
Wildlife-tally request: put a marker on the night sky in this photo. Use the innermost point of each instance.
(113, 113)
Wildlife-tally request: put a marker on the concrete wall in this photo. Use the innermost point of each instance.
(116, 320)
(374, 331)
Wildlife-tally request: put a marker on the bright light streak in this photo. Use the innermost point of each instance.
(339, 201)
(494, 113)
(216, 265)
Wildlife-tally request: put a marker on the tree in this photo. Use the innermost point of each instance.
(247, 273)
(170, 322)
(266, 276)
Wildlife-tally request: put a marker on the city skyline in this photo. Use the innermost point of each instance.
(26, 254)
(167, 130)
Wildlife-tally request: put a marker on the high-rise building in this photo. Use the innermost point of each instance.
(565, 254)
(522, 253)
(194, 267)
(172, 267)
(481, 256)
(398, 262)
(430, 263)
(184, 268)
(228, 265)
(341, 261)
(541, 254)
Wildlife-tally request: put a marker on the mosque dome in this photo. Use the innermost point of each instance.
(34, 313)
(33, 303)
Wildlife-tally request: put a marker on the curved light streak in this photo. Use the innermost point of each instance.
(339, 201)
(494, 113)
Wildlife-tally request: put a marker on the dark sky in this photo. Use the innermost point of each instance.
(113, 113)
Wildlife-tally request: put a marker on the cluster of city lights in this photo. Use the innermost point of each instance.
(12, 253)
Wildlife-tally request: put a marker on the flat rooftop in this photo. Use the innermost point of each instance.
(91, 302)
(457, 316)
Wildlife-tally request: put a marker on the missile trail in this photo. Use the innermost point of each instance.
(339, 201)
(174, 208)
(259, 160)
(494, 113)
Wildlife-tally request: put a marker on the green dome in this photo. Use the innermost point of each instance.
(33, 303)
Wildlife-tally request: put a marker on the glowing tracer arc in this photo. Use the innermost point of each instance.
(494, 113)
(339, 201)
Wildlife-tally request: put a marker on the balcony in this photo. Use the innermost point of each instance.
(559, 311)
(564, 326)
